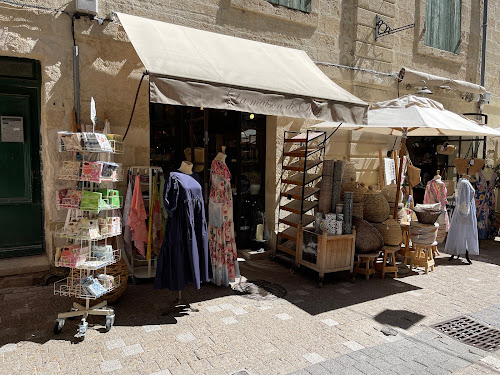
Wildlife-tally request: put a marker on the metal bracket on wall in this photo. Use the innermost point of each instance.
(382, 28)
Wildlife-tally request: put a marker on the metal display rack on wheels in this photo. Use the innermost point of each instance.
(88, 228)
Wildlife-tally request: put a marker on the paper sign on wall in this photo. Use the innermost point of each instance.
(12, 129)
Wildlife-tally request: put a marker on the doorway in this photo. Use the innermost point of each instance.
(21, 208)
(178, 132)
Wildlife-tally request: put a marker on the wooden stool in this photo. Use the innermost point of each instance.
(368, 260)
(423, 256)
(406, 250)
(385, 267)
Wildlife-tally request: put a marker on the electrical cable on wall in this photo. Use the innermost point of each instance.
(133, 108)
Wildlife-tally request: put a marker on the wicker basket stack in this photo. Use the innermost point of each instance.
(389, 192)
(358, 189)
(357, 210)
(424, 234)
(368, 239)
(375, 206)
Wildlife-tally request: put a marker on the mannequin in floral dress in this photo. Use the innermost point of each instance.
(436, 192)
(220, 224)
(485, 206)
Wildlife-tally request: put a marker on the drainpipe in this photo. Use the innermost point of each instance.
(480, 103)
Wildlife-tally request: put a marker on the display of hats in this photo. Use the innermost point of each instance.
(427, 213)
(375, 206)
(199, 158)
(424, 234)
(357, 188)
(391, 232)
(468, 166)
(445, 149)
(368, 239)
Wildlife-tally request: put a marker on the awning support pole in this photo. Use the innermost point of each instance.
(399, 176)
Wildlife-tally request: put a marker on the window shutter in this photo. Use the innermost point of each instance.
(302, 5)
(442, 23)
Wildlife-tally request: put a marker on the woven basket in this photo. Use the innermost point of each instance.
(445, 149)
(358, 189)
(357, 210)
(423, 234)
(368, 239)
(413, 174)
(375, 206)
(389, 192)
(117, 269)
(391, 232)
(427, 213)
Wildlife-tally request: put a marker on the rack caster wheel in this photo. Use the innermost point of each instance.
(110, 320)
(58, 326)
(82, 329)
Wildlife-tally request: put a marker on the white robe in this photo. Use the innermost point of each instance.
(462, 235)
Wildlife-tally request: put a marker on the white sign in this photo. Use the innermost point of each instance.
(93, 112)
(12, 129)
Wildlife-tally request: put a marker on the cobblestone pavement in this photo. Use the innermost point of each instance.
(335, 329)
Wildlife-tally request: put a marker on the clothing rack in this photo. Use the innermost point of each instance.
(136, 267)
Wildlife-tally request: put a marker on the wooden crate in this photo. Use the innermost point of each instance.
(335, 253)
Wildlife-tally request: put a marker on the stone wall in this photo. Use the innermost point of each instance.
(336, 31)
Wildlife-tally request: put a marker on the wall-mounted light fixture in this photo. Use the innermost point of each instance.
(424, 89)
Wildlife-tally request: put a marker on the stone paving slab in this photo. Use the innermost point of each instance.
(309, 330)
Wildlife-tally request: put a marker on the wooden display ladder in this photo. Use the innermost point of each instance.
(300, 173)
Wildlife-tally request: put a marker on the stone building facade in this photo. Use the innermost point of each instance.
(334, 32)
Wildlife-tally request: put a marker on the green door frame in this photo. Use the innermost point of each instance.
(23, 76)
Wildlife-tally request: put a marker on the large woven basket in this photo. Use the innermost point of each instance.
(368, 239)
(358, 189)
(464, 167)
(375, 206)
(427, 213)
(357, 210)
(423, 234)
(389, 192)
(391, 232)
(117, 269)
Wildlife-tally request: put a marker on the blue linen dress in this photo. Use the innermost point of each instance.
(462, 235)
(184, 255)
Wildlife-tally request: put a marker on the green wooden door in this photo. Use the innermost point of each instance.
(21, 229)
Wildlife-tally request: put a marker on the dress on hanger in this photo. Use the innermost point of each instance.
(436, 192)
(137, 218)
(221, 227)
(485, 205)
(127, 233)
(184, 255)
(462, 235)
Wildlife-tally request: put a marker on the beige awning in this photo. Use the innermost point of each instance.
(414, 77)
(199, 68)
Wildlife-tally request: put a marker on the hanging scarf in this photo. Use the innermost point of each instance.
(137, 218)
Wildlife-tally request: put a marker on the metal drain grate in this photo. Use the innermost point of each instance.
(471, 332)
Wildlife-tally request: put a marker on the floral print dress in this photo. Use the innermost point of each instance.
(435, 192)
(221, 227)
(485, 206)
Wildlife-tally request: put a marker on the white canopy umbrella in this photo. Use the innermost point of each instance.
(414, 116)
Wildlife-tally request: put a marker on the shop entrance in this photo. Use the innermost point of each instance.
(20, 192)
(178, 132)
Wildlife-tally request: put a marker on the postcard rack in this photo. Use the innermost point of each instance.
(92, 222)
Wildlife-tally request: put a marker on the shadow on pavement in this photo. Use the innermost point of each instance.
(398, 318)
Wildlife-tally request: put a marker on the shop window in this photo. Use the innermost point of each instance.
(442, 24)
(302, 5)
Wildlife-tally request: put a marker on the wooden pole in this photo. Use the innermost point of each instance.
(401, 155)
(396, 164)
(380, 168)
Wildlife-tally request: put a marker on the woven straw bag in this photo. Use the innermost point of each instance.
(423, 234)
(368, 239)
(391, 232)
(468, 166)
(358, 189)
(375, 206)
(413, 174)
(445, 149)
